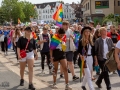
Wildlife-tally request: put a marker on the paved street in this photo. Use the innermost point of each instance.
(45, 81)
(9, 80)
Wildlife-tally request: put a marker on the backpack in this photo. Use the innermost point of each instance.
(111, 63)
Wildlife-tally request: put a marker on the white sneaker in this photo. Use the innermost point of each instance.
(67, 87)
(42, 72)
(54, 85)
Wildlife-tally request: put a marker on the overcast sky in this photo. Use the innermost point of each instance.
(42, 1)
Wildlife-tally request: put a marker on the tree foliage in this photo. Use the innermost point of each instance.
(14, 9)
(2, 16)
(111, 17)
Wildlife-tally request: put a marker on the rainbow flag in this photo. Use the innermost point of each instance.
(55, 41)
(58, 16)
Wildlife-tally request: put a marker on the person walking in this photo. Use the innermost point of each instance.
(57, 54)
(44, 42)
(102, 46)
(69, 49)
(26, 48)
(17, 34)
(86, 51)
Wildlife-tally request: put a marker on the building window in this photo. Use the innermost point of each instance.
(43, 16)
(46, 16)
(118, 3)
(69, 10)
(39, 17)
(101, 4)
(48, 11)
(88, 6)
(64, 16)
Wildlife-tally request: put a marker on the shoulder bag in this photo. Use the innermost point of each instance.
(2, 38)
(23, 52)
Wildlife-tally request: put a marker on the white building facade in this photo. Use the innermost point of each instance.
(46, 10)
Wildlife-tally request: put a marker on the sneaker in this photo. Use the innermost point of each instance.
(67, 87)
(54, 85)
(99, 85)
(61, 76)
(75, 77)
(84, 88)
(22, 82)
(50, 71)
(6, 54)
(42, 72)
(69, 71)
(98, 73)
(75, 66)
(114, 72)
(31, 87)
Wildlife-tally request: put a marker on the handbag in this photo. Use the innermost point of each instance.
(111, 63)
(2, 38)
(23, 52)
(72, 45)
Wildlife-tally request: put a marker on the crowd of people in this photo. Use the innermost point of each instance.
(69, 46)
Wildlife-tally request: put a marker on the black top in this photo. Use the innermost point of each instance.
(80, 49)
(22, 44)
(114, 38)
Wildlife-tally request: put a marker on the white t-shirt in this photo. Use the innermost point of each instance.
(105, 49)
(59, 47)
(89, 50)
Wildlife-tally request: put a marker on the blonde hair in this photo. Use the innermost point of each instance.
(31, 36)
(84, 43)
(102, 29)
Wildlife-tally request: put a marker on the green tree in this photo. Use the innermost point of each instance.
(29, 10)
(14, 9)
(2, 16)
(111, 17)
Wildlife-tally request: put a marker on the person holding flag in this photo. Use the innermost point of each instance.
(57, 54)
(86, 51)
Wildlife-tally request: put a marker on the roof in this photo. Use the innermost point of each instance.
(43, 5)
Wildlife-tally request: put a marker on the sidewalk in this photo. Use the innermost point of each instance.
(10, 77)
(10, 80)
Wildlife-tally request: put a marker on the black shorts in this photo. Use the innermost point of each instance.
(58, 55)
(69, 56)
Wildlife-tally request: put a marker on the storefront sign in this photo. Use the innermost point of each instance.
(98, 11)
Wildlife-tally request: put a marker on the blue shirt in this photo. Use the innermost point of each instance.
(1, 32)
(6, 33)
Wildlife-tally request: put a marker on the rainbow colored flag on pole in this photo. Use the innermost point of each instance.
(58, 16)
